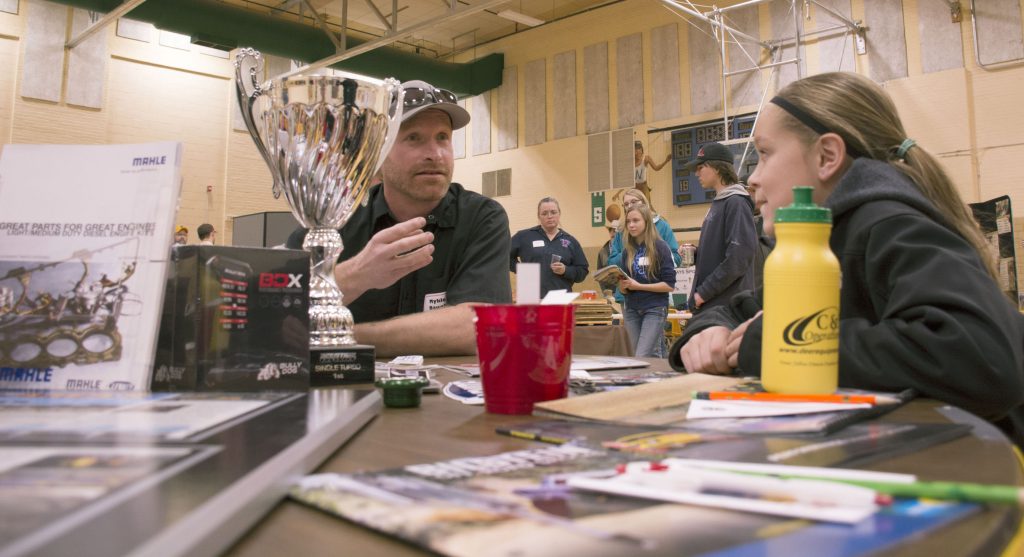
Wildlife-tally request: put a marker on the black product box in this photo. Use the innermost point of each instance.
(234, 319)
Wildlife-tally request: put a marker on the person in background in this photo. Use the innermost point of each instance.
(725, 253)
(602, 257)
(561, 259)
(422, 250)
(920, 306)
(636, 198)
(206, 234)
(650, 275)
(180, 236)
(641, 163)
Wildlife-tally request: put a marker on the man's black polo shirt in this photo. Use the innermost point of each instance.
(471, 243)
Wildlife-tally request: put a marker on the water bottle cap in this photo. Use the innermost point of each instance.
(803, 209)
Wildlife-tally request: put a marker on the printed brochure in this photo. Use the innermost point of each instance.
(85, 235)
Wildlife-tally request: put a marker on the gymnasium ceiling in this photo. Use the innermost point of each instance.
(370, 19)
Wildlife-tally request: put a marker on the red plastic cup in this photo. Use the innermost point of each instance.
(525, 352)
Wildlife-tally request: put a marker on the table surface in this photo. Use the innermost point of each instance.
(443, 429)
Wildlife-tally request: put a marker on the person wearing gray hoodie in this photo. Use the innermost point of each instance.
(728, 240)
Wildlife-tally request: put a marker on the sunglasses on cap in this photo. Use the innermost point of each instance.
(418, 96)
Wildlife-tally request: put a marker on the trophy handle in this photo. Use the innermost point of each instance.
(246, 101)
(394, 119)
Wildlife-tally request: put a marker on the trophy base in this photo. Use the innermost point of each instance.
(341, 365)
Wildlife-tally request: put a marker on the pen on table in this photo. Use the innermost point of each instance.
(531, 436)
(952, 491)
(786, 397)
(766, 488)
(949, 491)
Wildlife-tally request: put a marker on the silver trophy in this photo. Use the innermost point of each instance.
(323, 137)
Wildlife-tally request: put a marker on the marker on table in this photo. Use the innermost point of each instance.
(784, 397)
(949, 491)
(898, 486)
(532, 436)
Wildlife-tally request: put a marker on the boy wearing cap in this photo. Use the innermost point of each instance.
(725, 256)
(422, 249)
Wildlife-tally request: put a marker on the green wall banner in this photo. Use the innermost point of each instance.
(597, 209)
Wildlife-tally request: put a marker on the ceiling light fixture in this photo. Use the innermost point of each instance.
(517, 17)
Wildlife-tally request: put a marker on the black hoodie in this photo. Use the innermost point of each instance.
(918, 309)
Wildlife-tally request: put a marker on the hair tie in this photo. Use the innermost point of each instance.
(901, 153)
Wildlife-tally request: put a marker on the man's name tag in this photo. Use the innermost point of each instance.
(435, 301)
(642, 261)
(538, 243)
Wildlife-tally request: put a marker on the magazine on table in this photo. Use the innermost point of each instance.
(858, 444)
(518, 503)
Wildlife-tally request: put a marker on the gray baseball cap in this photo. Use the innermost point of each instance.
(420, 96)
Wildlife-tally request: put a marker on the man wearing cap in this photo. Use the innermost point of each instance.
(422, 249)
(180, 236)
(725, 256)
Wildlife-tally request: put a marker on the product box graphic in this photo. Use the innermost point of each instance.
(234, 319)
(85, 235)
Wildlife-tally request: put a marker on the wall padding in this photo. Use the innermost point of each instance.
(508, 110)
(481, 122)
(705, 69)
(999, 31)
(563, 98)
(665, 93)
(886, 39)
(595, 88)
(941, 45)
(459, 136)
(838, 49)
(784, 25)
(535, 101)
(87, 64)
(629, 80)
(43, 68)
(745, 88)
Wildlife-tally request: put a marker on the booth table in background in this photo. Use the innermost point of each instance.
(601, 340)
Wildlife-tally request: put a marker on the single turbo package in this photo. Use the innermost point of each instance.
(234, 319)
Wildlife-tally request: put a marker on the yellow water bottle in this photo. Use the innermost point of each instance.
(800, 343)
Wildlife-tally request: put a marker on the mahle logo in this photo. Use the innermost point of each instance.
(818, 326)
(149, 161)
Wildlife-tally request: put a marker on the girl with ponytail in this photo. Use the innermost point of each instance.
(920, 306)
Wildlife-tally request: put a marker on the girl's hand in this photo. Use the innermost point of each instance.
(626, 284)
(732, 347)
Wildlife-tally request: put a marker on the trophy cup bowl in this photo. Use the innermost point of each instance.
(323, 137)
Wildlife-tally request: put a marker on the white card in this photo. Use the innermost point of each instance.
(528, 283)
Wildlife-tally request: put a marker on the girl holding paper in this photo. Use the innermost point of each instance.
(650, 274)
